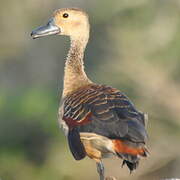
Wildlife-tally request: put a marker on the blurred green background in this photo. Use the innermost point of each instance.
(134, 46)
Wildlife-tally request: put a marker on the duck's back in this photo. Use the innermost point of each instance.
(104, 111)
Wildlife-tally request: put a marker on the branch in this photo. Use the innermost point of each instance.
(110, 178)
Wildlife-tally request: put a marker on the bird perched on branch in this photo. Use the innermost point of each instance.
(98, 120)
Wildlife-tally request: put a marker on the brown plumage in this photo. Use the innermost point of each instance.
(98, 120)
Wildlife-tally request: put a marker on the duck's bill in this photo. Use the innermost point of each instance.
(49, 29)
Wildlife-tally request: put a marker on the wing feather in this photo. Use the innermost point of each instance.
(112, 113)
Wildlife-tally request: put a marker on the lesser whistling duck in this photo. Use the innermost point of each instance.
(98, 120)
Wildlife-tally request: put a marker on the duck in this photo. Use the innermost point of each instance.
(99, 121)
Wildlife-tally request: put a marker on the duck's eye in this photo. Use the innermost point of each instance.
(65, 15)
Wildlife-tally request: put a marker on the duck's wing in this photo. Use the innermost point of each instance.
(104, 111)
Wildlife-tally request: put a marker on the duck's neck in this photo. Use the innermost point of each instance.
(74, 75)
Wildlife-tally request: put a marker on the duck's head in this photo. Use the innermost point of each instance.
(72, 22)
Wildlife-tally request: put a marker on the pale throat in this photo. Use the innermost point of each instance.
(74, 74)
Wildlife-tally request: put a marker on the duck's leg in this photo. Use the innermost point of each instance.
(100, 170)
